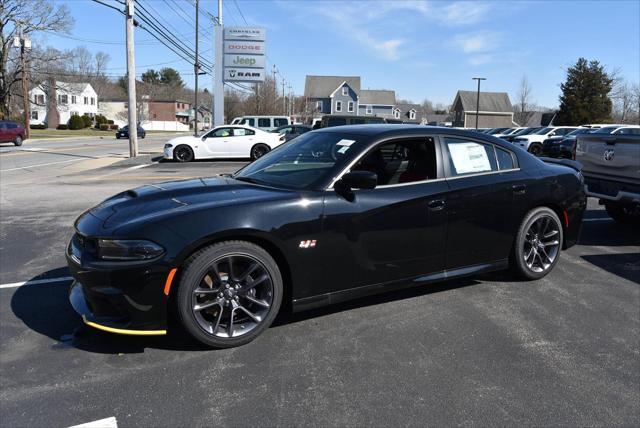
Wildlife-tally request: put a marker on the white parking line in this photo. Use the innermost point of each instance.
(102, 423)
(41, 164)
(36, 282)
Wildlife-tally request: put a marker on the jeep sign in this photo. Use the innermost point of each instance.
(251, 61)
(243, 74)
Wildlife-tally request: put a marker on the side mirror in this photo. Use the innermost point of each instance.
(358, 180)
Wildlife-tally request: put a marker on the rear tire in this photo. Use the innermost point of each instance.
(18, 140)
(535, 149)
(241, 293)
(183, 153)
(259, 150)
(537, 247)
(623, 213)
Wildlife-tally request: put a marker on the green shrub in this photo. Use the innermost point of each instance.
(109, 122)
(113, 126)
(38, 126)
(63, 126)
(87, 121)
(104, 127)
(76, 122)
(100, 119)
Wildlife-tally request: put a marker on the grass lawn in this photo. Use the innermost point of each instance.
(87, 132)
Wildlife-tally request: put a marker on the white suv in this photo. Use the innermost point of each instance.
(533, 142)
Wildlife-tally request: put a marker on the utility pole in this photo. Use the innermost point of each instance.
(275, 88)
(25, 45)
(290, 101)
(478, 98)
(218, 71)
(196, 68)
(131, 79)
(284, 99)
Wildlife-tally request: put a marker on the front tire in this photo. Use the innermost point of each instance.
(537, 247)
(18, 140)
(258, 151)
(183, 153)
(623, 213)
(535, 149)
(229, 293)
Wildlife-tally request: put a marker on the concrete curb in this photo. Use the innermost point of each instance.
(146, 159)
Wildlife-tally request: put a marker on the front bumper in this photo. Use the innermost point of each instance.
(127, 300)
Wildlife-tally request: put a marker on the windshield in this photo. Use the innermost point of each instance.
(606, 130)
(544, 131)
(303, 163)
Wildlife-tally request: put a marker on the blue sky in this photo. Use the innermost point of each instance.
(421, 49)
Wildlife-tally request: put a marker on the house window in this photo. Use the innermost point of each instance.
(338, 105)
(350, 106)
(86, 100)
(75, 113)
(63, 99)
(368, 109)
(319, 105)
(73, 99)
(345, 91)
(34, 115)
(93, 101)
(38, 99)
(412, 115)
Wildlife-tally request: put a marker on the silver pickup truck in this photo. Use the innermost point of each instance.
(611, 169)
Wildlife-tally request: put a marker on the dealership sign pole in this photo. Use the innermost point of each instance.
(218, 84)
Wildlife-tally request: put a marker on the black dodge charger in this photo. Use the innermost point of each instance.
(333, 215)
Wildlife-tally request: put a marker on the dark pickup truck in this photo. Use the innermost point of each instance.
(611, 169)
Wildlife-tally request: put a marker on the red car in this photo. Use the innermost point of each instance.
(11, 132)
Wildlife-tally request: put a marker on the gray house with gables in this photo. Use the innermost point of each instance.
(495, 110)
(342, 95)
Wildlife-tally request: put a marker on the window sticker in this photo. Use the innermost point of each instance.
(469, 157)
(344, 142)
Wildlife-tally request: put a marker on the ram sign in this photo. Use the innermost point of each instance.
(244, 54)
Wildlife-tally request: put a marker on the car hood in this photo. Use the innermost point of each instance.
(156, 200)
(183, 140)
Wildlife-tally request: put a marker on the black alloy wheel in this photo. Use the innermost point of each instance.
(229, 293)
(537, 247)
(183, 154)
(258, 151)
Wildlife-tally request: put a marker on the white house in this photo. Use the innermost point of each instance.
(72, 99)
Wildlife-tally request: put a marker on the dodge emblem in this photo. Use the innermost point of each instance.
(608, 155)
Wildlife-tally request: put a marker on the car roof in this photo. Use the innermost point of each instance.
(391, 130)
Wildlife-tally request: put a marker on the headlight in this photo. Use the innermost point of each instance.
(120, 249)
(168, 146)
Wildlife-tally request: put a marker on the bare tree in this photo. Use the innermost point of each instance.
(28, 17)
(524, 103)
(624, 98)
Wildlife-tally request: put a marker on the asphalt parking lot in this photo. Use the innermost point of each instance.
(564, 350)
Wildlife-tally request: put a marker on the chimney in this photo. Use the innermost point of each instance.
(53, 117)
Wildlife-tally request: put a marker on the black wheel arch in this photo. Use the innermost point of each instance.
(256, 237)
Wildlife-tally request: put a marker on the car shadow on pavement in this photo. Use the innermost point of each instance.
(625, 265)
(45, 309)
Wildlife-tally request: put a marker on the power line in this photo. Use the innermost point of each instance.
(240, 12)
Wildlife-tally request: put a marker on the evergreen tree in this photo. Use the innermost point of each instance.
(171, 77)
(585, 95)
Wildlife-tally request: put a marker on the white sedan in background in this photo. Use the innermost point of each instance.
(226, 141)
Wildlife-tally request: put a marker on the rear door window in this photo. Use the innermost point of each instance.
(264, 123)
(279, 121)
(469, 157)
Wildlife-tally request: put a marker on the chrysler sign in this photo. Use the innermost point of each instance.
(245, 33)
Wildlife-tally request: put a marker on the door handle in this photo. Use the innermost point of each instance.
(436, 205)
(519, 189)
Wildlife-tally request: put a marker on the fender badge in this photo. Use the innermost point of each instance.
(309, 243)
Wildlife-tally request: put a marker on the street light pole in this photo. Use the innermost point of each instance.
(196, 68)
(24, 44)
(478, 98)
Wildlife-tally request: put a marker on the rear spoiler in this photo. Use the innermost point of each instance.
(566, 162)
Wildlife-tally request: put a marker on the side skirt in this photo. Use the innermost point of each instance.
(368, 290)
